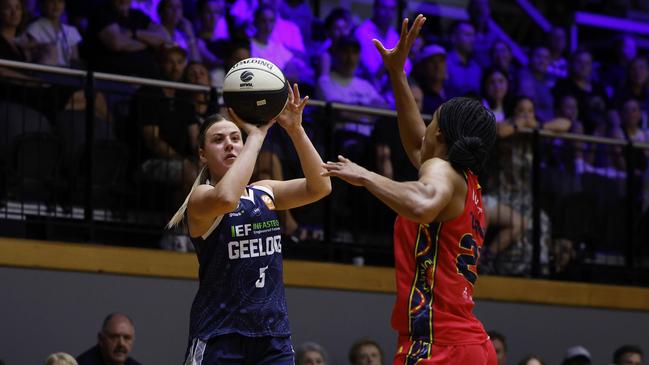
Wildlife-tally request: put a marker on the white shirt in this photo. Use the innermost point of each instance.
(42, 31)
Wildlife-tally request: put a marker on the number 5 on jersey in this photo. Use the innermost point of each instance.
(262, 277)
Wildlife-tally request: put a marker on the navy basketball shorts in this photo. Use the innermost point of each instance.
(235, 349)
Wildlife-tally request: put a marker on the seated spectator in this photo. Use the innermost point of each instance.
(60, 358)
(168, 128)
(531, 360)
(114, 343)
(300, 13)
(500, 345)
(616, 72)
(485, 35)
(380, 26)
(122, 40)
(591, 97)
(576, 355)
(342, 86)
(177, 29)
(430, 72)
(632, 131)
(501, 57)
(205, 103)
(59, 40)
(558, 67)
(464, 72)
(365, 352)
(212, 31)
(310, 353)
(496, 94)
(336, 25)
(264, 46)
(535, 83)
(628, 355)
(636, 86)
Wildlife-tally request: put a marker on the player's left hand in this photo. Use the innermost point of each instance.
(346, 170)
(291, 117)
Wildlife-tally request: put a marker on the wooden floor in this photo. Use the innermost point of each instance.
(158, 263)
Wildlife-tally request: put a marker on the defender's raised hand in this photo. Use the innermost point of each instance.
(394, 59)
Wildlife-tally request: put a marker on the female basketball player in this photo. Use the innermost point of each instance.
(441, 223)
(239, 314)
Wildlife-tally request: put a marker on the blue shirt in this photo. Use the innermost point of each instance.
(241, 287)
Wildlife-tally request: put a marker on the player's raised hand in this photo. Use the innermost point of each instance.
(346, 170)
(394, 59)
(291, 117)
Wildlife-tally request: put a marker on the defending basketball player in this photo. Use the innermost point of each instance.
(441, 224)
(239, 314)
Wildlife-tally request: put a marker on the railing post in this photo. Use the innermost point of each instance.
(536, 199)
(89, 92)
(630, 203)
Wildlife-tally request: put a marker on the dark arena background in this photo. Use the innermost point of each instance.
(98, 122)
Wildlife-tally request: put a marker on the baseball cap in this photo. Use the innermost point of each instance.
(429, 51)
(575, 351)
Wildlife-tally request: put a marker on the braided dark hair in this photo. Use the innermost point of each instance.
(470, 132)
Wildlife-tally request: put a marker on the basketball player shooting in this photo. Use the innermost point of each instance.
(440, 225)
(239, 314)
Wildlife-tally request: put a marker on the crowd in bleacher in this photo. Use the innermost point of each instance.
(333, 59)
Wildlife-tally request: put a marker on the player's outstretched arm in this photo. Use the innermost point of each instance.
(411, 124)
(420, 201)
(207, 202)
(314, 186)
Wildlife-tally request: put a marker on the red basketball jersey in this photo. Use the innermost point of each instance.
(436, 268)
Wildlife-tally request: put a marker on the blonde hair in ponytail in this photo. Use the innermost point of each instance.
(203, 175)
(180, 213)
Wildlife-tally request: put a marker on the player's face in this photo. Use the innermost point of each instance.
(116, 340)
(313, 358)
(221, 147)
(369, 355)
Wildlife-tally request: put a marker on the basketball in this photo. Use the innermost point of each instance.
(256, 90)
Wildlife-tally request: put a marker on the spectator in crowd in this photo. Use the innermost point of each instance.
(300, 13)
(531, 360)
(380, 26)
(557, 44)
(495, 93)
(336, 25)
(212, 31)
(485, 34)
(58, 40)
(168, 128)
(310, 353)
(365, 352)
(205, 103)
(501, 57)
(342, 86)
(632, 131)
(618, 70)
(122, 40)
(464, 73)
(430, 72)
(177, 29)
(391, 159)
(265, 46)
(628, 355)
(114, 343)
(535, 83)
(576, 355)
(636, 86)
(500, 344)
(591, 97)
(60, 358)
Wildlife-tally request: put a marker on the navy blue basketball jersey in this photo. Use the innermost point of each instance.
(241, 287)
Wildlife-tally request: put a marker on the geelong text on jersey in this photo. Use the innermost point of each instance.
(254, 247)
